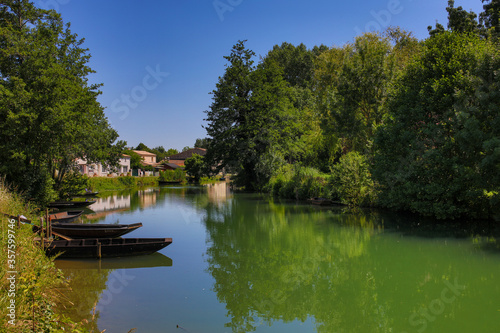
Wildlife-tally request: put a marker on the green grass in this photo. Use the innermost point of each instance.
(37, 278)
(120, 183)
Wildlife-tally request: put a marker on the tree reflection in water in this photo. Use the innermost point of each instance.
(270, 263)
(82, 293)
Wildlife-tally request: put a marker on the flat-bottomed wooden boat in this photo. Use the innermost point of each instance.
(80, 230)
(104, 247)
(70, 204)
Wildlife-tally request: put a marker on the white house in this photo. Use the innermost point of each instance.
(97, 169)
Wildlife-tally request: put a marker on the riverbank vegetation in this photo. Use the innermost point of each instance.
(385, 120)
(177, 175)
(29, 280)
(119, 183)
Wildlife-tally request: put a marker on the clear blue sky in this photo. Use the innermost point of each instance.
(160, 59)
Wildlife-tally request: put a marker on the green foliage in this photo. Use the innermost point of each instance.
(127, 181)
(73, 183)
(195, 167)
(299, 183)
(171, 152)
(135, 159)
(49, 114)
(37, 280)
(459, 21)
(118, 183)
(439, 153)
(352, 182)
(202, 143)
(353, 85)
(248, 103)
(491, 17)
(177, 175)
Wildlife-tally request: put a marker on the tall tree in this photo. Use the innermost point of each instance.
(142, 146)
(251, 120)
(49, 115)
(491, 17)
(201, 143)
(439, 154)
(460, 21)
(353, 84)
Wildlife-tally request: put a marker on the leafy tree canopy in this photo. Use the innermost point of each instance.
(439, 153)
(49, 115)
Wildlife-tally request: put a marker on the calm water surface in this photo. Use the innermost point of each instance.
(242, 263)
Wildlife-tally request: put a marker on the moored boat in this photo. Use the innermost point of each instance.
(65, 217)
(70, 204)
(104, 247)
(80, 230)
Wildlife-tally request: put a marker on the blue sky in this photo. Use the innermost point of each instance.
(160, 59)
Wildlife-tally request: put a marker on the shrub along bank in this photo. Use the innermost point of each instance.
(119, 183)
(28, 279)
(349, 182)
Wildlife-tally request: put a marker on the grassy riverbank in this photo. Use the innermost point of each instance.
(29, 280)
(120, 183)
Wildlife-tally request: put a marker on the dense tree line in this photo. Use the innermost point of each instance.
(385, 120)
(49, 115)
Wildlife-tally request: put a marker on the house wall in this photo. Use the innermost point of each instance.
(97, 169)
(178, 162)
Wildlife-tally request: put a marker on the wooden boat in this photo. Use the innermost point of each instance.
(70, 204)
(104, 247)
(80, 230)
(65, 217)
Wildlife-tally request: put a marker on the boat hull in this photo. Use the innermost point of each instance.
(105, 247)
(70, 204)
(65, 217)
(73, 230)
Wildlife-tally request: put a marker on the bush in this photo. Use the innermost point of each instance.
(351, 180)
(298, 182)
(127, 181)
(73, 183)
(177, 175)
(195, 167)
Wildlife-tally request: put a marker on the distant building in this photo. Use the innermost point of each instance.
(148, 159)
(180, 158)
(98, 170)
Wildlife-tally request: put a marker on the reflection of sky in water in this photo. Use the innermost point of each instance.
(286, 267)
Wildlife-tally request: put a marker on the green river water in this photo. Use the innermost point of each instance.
(245, 263)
